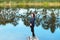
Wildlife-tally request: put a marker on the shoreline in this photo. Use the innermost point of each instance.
(29, 4)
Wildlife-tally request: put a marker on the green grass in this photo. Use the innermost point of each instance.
(31, 0)
(28, 5)
(17, 3)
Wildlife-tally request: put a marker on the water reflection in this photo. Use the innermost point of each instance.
(8, 16)
(48, 18)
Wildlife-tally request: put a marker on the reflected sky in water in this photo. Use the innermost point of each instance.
(14, 24)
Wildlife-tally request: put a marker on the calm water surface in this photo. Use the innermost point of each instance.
(14, 24)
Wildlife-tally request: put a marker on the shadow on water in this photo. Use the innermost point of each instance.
(48, 18)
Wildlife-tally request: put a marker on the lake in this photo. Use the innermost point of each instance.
(14, 23)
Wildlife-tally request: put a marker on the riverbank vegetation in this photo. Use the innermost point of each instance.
(29, 3)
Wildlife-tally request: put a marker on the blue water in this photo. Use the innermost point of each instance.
(16, 29)
(21, 32)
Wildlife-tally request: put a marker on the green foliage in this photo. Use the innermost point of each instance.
(31, 0)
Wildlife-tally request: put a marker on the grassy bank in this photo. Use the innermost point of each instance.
(29, 4)
(30, 0)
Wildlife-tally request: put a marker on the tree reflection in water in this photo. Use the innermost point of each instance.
(8, 16)
(48, 18)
